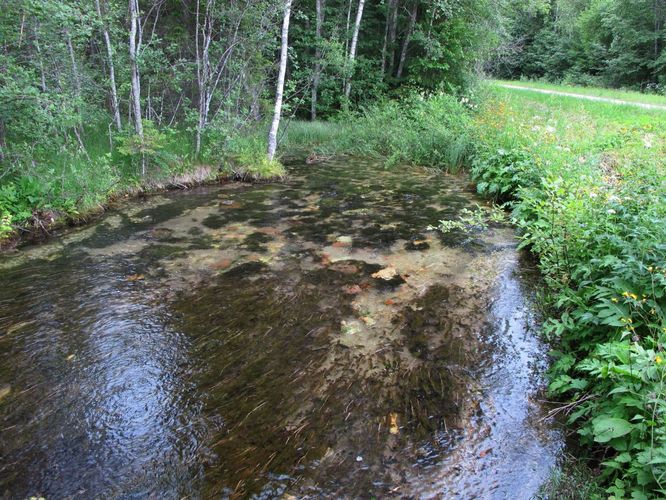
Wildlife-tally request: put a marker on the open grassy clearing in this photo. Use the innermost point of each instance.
(625, 95)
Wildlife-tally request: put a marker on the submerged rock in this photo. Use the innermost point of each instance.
(387, 274)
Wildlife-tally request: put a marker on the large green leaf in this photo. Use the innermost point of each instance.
(607, 428)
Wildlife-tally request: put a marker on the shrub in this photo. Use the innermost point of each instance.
(501, 173)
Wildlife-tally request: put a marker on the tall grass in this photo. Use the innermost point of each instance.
(431, 132)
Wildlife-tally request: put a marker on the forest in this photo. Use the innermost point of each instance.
(364, 122)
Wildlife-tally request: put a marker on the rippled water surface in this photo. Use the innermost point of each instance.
(309, 337)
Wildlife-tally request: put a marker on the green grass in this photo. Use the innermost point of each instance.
(624, 95)
(45, 187)
(573, 480)
(586, 182)
(414, 131)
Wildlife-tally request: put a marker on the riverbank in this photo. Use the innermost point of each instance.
(34, 206)
(586, 183)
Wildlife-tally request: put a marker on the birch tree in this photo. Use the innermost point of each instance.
(134, 46)
(353, 47)
(284, 48)
(316, 77)
(112, 72)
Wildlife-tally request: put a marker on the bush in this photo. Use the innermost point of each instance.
(501, 173)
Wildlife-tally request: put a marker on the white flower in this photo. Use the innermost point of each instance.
(610, 211)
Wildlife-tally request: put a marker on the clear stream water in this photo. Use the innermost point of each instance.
(303, 338)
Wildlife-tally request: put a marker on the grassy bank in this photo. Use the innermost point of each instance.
(53, 190)
(432, 132)
(587, 185)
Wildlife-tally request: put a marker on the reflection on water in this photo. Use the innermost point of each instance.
(309, 337)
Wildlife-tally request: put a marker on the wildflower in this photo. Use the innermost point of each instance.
(614, 299)
(611, 211)
(658, 360)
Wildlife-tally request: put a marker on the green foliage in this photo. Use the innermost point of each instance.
(500, 174)
(151, 150)
(429, 132)
(616, 43)
(592, 208)
(247, 158)
(471, 221)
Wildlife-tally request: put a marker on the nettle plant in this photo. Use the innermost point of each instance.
(602, 251)
(500, 173)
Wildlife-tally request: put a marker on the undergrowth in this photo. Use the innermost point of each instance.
(587, 186)
(38, 188)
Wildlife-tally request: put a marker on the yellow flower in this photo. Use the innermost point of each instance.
(614, 299)
(658, 360)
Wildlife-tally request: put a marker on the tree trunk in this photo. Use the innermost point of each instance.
(203, 67)
(390, 12)
(317, 69)
(136, 80)
(41, 61)
(75, 68)
(393, 35)
(352, 49)
(272, 135)
(349, 10)
(112, 72)
(408, 36)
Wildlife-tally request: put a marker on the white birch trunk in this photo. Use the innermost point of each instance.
(408, 36)
(354, 45)
(136, 79)
(112, 71)
(275, 125)
(317, 69)
(41, 61)
(75, 68)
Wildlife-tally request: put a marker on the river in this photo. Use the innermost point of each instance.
(302, 338)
